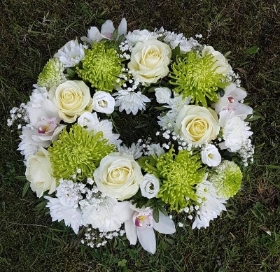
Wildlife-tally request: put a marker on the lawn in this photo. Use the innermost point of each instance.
(246, 237)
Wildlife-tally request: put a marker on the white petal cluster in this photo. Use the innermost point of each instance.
(211, 205)
(71, 53)
(131, 102)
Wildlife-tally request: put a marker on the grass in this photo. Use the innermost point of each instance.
(246, 237)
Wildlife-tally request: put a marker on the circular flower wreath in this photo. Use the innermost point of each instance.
(100, 186)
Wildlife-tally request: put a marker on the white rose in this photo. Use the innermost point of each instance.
(210, 155)
(149, 61)
(149, 186)
(39, 172)
(221, 63)
(103, 102)
(163, 95)
(71, 98)
(118, 176)
(197, 125)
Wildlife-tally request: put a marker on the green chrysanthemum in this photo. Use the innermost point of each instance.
(227, 179)
(78, 149)
(178, 174)
(52, 74)
(101, 67)
(195, 76)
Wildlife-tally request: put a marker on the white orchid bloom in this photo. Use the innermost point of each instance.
(107, 29)
(139, 223)
(45, 122)
(230, 102)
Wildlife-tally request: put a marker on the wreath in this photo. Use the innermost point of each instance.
(103, 188)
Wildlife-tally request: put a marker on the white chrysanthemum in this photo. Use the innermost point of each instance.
(69, 193)
(154, 149)
(168, 120)
(91, 122)
(131, 102)
(101, 215)
(39, 94)
(235, 131)
(135, 150)
(71, 53)
(211, 206)
(72, 216)
(178, 39)
(26, 147)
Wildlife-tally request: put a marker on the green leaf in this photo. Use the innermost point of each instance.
(71, 73)
(156, 215)
(25, 188)
(163, 210)
(115, 34)
(252, 50)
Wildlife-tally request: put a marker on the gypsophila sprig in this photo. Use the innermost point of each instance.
(103, 188)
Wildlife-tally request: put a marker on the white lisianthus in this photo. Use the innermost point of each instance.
(101, 215)
(72, 98)
(149, 61)
(197, 125)
(39, 173)
(222, 66)
(118, 176)
(163, 95)
(103, 102)
(149, 186)
(71, 53)
(210, 155)
(235, 131)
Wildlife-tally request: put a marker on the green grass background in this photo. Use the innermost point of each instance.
(32, 31)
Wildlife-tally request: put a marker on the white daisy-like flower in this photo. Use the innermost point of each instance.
(168, 120)
(210, 207)
(101, 215)
(131, 102)
(140, 36)
(71, 53)
(91, 122)
(135, 150)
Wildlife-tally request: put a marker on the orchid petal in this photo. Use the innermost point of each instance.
(122, 29)
(107, 29)
(123, 211)
(243, 110)
(35, 115)
(147, 239)
(165, 224)
(130, 230)
(50, 109)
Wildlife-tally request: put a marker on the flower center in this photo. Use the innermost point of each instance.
(46, 125)
(143, 219)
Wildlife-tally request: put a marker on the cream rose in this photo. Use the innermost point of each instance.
(71, 98)
(149, 61)
(197, 125)
(39, 172)
(118, 176)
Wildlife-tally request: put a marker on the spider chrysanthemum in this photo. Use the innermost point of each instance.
(78, 153)
(227, 179)
(52, 74)
(178, 175)
(196, 76)
(101, 66)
